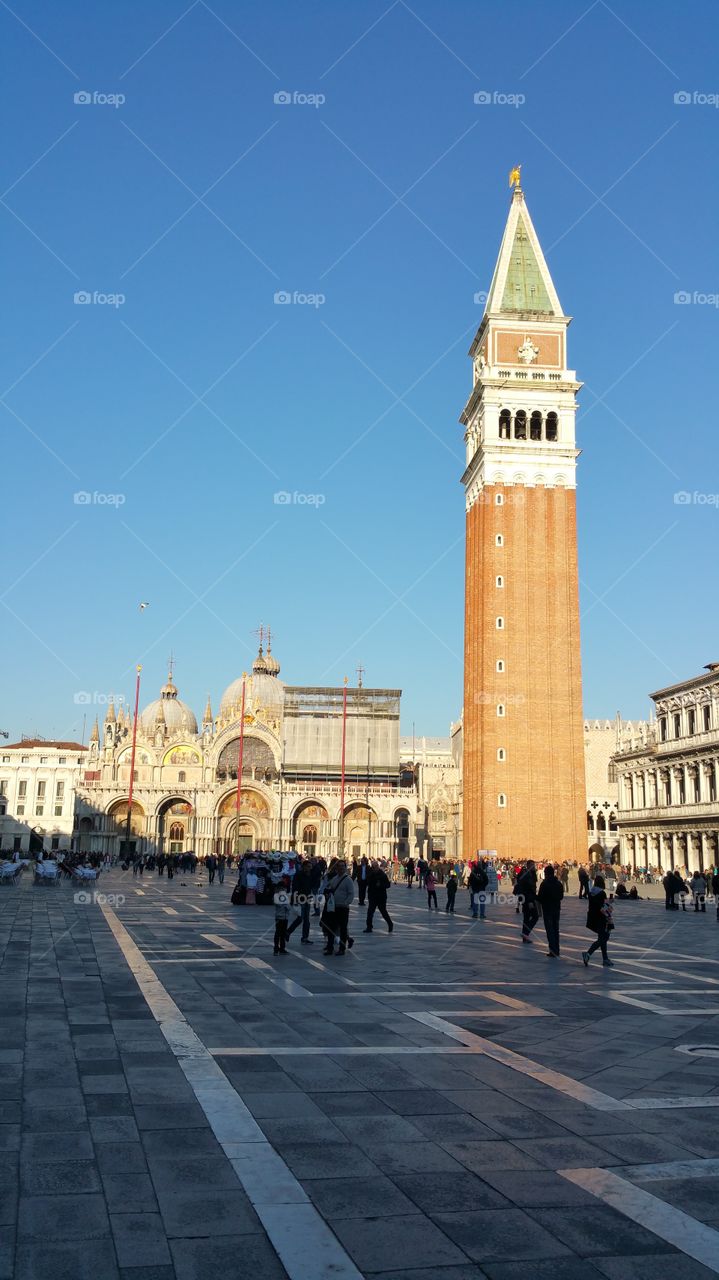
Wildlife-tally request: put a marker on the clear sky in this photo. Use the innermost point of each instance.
(381, 186)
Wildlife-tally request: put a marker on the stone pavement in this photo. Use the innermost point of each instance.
(439, 1104)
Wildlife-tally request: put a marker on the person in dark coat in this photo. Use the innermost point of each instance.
(526, 891)
(360, 873)
(302, 900)
(549, 897)
(377, 885)
(583, 882)
(599, 921)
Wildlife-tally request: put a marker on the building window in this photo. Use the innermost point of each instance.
(22, 789)
(498, 540)
(504, 424)
(500, 708)
(500, 624)
(39, 810)
(499, 499)
(677, 726)
(58, 810)
(41, 790)
(706, 717)
(3, 786)
(20, 809)
(499, 581)
(55, 843)
(520, 425)
(500, 665)
(62, 760)
(182, 776)
(501, 800)
(501, 754)
(663, 728)
(43, 759)
(24, 759)
(712, 783)
(60, 791)
(691, 721)
(611, 772)
(535, 426)
(552, 426)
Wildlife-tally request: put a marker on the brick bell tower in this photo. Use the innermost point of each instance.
(524, 789)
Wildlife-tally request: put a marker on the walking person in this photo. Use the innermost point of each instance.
(698, 886)
(318, 866)
(474, 884)
(583, 882)
(452, 886)
(377, 885)
(526, 891)
(360, 873)
(221, 861)
(282, 915)
(549, 897)
(340, 893)
(715, 889)
(302, 901)
(430, 885)
(211, 864)
(599, 921)
(409, 870)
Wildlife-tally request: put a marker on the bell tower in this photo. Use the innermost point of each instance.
(524, 789)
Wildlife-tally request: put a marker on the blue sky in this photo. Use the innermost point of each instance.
(198, 397)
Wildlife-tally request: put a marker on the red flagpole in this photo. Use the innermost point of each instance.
(132, 762)
(239, 764)
(342, 782)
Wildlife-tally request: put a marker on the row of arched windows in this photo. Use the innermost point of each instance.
(519, 426)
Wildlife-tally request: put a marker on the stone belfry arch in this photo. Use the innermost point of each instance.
(523, 785)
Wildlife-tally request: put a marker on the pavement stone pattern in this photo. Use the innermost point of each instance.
(427, 1158)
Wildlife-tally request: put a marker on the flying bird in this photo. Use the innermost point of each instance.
(143, 605)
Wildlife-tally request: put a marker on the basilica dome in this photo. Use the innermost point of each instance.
(262, 687)
(168, 711)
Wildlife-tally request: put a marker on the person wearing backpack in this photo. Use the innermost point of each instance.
(599, 921)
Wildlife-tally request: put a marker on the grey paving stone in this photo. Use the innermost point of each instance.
(188, 1174)
(64, 1260)
(8, 1202)
(108, 1104)
(53, 1096)
(418, 1103)
(9, 1138)
(59, 1177)
(170, 1115)
(597, 1229)
(210, 1213)
(659, 1266)
(467, 1271)
(639, 1148)
(129, 1193)
(357, 1197)
(699, 1197)
(38, 1119)
(537, 1188)
(456, 1128)
(241, 1257)
(523, 1123)
(175, 1144)
(361, 1103)
(396, 1241)
(114, 1129)
(314, 1160)
(71, 1217)
(147, 1273)
(422, 1157)
(569, 1152)
(451, 1192)
(542, 1269)
(120, 1157)
(286, 1130)
(366, 1130)
(479, 1156)
(140, 1239)
(501, 1234)
(52, 1147)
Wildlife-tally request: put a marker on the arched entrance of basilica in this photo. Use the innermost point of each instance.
(174, 826)
(310, 829)
(255, 823)
(360, 832)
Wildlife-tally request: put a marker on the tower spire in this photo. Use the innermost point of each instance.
(521, 284)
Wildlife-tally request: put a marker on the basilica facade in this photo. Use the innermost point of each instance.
(185, 787)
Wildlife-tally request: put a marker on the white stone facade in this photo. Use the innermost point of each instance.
(668, 778)
(37, 795)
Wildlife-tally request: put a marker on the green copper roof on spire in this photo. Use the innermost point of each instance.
(524, 288)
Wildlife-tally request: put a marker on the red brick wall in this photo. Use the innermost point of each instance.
(542, 729)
